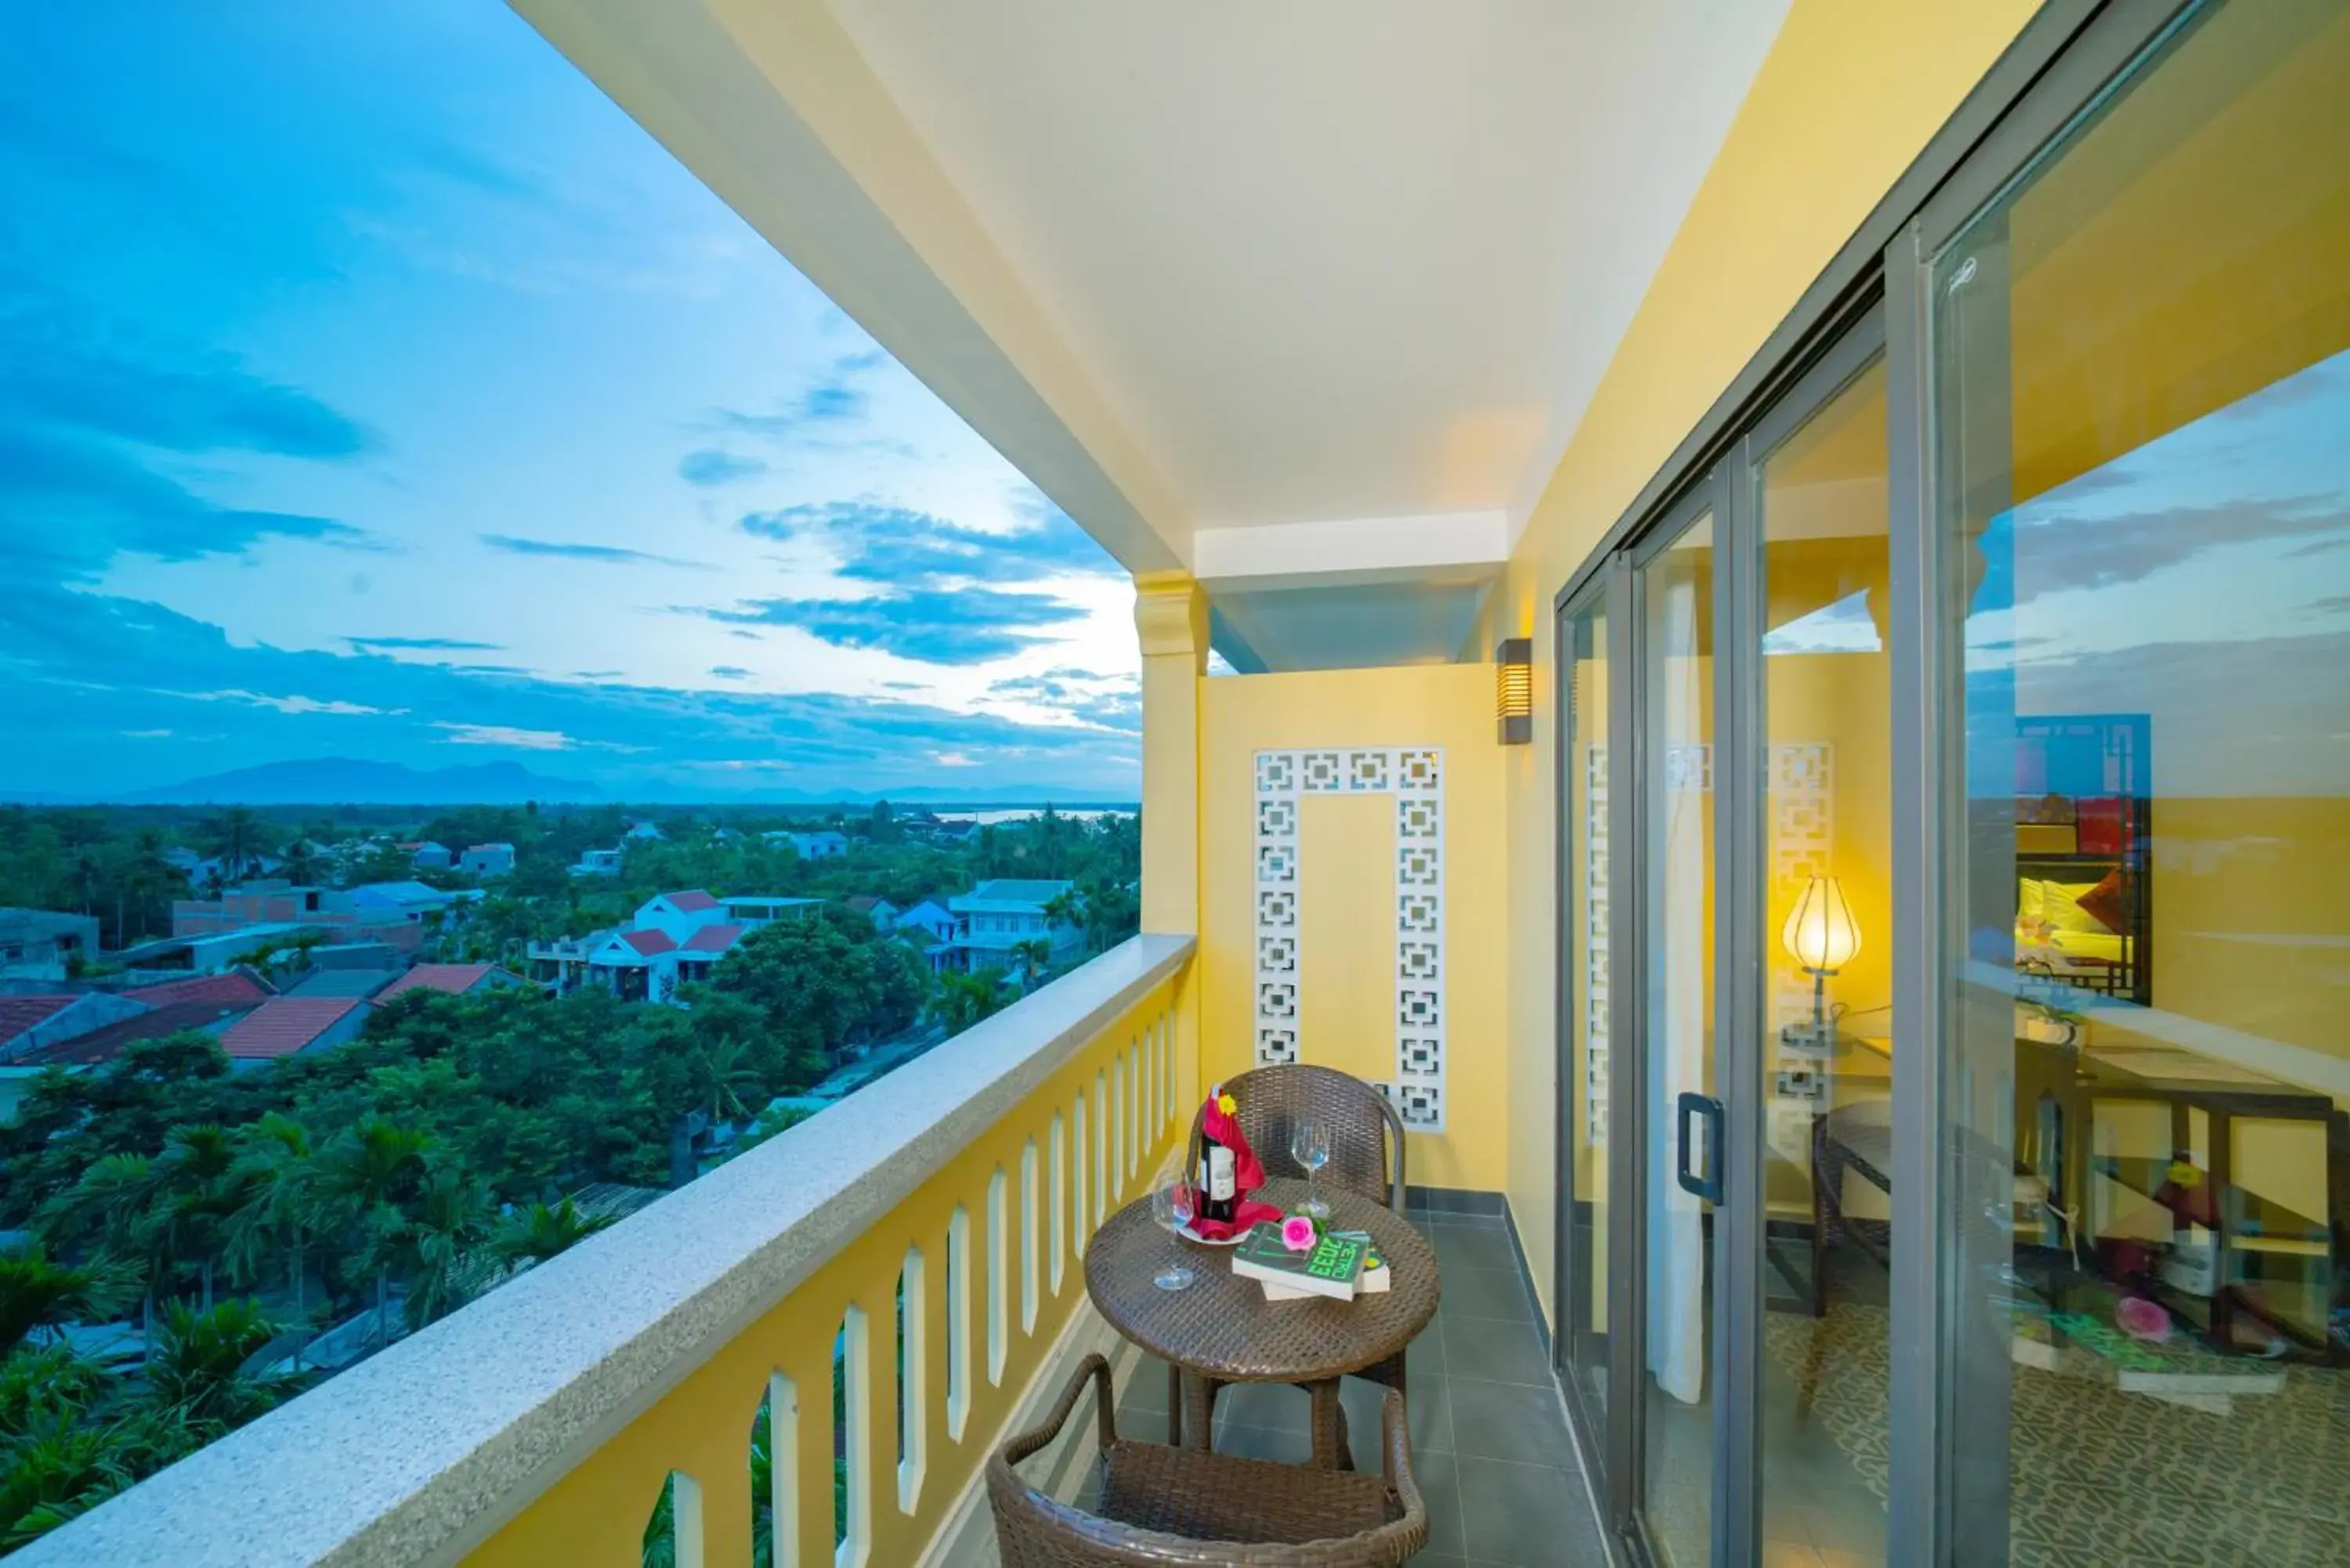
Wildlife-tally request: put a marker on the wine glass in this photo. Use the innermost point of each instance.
(1309, 1144)
(1172, 1207)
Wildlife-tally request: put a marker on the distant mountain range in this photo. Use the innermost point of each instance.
(352, 781)
(349, 781)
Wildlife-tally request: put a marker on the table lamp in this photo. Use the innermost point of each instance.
(1822, 937)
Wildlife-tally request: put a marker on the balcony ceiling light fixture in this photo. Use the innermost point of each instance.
(1513, 691)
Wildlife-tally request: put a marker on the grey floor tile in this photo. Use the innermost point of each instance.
(1494, 1352)
(1425, 1354)
(1264, 1443)
(1473, 1246)
(1527, 1515)
(1498, 1294)
(1428, 1416)
(1505, 1421)
(1276, 1406)
(1440, 1489)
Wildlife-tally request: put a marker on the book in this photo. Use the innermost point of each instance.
(1374, 1281)
(1331, 1269)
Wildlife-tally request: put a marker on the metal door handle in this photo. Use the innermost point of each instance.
(1707, 1186)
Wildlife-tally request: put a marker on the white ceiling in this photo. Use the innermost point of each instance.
(1351, 268)
(1329, 259)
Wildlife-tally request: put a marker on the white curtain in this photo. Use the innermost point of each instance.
(1676, 1022)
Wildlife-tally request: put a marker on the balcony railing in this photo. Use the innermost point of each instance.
(541, 1424)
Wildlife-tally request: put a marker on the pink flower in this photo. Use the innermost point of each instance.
(1297, 1233)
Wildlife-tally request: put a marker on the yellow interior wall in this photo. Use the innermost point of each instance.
(1850, 92)
(1449, 706)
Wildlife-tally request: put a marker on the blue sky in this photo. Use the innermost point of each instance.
(371, 386)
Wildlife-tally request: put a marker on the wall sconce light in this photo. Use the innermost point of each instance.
(1513, 691)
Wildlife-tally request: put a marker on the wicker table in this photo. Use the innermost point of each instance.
(1222, 1327)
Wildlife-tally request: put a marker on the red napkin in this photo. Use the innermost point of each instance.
(1245, 1218)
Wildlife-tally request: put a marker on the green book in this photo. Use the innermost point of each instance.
(1331, 1269)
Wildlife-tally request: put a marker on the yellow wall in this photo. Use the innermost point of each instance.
(1347, 849)
(1849, 94)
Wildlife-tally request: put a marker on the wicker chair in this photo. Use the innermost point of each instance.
(1365, 1141)
(1162, 1505)
(1366, 1134)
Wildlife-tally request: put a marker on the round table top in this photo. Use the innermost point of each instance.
(1225, 1327)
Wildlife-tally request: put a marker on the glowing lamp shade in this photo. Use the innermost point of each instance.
(1820, 934)
(1513, 691)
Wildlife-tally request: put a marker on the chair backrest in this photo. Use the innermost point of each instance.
(1366, 1135)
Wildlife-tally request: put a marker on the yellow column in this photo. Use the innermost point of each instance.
(1170, 619)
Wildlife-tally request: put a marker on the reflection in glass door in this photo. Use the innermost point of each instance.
(1682, 1119)
(1586, 1016)
(1819, 480)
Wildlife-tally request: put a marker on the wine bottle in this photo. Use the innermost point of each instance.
(1219, 1195)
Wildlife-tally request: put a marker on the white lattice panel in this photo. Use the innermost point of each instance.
(1414, 776)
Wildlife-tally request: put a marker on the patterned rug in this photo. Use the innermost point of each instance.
(2099, 1477)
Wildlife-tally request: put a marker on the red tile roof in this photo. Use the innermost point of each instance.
(234, 989)
(692, 900)
(456, 979)
(648, 939)
(284, 1024)
(18, 1014)
(713, 939)
(105, 1044)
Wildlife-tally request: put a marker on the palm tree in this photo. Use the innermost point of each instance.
(275, 1177)
(35, 1293)
(235, 836)
(195, 1195)
(197, 1372)
(720, 1075)
(963, 1000)
(1031, 959)
(540, 1232)
(114, 1202)
(452, 1213)
(365, 1178)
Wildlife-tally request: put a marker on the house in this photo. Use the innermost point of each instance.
(880, 911)
(487, 860)
(451, 978)
(756, 910)
(929, 913)
(598, 863)
(998, 916)
(288, 1025)
(698, 954)
(29, 1022)
(82, 1052)
(562, 963)
(237, 989)
(359, 982)
(823, 845)
(40, 944)
(427, 856)
(681, 913)
(636, 964)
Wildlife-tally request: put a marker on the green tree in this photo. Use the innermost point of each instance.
(36, 1294)
(542, 1231)
(369, 1176)
(234, 837)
